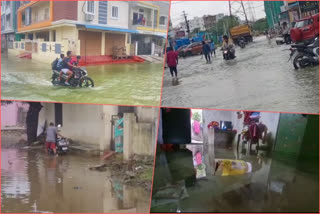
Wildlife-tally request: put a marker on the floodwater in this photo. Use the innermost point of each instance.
(33, 182)
(260, 78)
(271, 186)
(122, 84)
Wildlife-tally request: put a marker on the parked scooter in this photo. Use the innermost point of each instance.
(305, 55)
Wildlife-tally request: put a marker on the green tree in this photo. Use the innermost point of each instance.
(260, 25)
(196, 116)
(225, 24)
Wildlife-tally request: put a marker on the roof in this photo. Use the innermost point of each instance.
(109, 28)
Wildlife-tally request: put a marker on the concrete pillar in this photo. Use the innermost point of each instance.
(152, 18)
(136, 49)
(152, 48)
(51, 36)
(34, 36)
(129, 122)
(103, 44)
(210, 156)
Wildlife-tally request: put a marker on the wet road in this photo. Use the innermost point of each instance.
(260, 78)
(33, 182)
(127, 84)
(272, 186)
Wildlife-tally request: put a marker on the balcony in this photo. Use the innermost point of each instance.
(35, 15)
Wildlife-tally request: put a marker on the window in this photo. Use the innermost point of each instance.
(162, 20)
(114, 12)
(46, 14)
(58, 113)
(90, 7)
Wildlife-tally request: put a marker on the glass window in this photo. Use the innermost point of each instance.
(90, 6)
(114, 12)
(162, 20)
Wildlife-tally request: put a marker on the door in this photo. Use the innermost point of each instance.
(90, 43)
(290, 134)
(114, 41)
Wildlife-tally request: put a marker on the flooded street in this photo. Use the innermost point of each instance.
(260, 78)
(272, 186)
(123, 84)
(31, 181)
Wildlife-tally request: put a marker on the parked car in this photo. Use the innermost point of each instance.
(305, 29)
(192, 49)
(180, 49)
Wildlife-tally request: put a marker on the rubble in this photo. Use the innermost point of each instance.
(137, 171)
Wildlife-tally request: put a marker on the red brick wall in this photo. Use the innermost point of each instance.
(65, 10)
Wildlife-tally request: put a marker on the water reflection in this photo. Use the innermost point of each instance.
(270, 185)
(34, 182)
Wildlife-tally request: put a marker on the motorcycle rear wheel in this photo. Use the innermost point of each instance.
(86, 82)
(297, 62)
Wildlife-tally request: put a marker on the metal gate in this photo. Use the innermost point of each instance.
(144, 48)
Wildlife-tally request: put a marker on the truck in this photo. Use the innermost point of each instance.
(241, 31)
(305, 29)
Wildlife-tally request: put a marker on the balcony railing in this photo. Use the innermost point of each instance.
(141, 23)
(35, 22)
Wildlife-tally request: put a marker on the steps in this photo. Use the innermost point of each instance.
(100, 60)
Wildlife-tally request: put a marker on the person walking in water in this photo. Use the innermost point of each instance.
(206, 51)
(172, 61)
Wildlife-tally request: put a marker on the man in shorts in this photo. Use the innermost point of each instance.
(67, 67)
(51, 138)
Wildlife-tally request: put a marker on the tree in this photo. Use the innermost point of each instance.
(260, 25)
(31, 120)
(225, 24)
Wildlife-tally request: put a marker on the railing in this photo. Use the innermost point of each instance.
(34, 22)
(141, 23)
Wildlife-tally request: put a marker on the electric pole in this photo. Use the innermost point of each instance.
(187, 22)
(230, 14)
(244, 11)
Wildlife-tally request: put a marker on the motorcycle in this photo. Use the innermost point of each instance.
(62, 146)
(227, 54)
(79, 78)
(242, 43)
(305, 54)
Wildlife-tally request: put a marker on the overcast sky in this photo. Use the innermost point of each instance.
(254, 9)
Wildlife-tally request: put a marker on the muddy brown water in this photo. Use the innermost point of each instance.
(272, 186)
(260, 78)
(31, 181)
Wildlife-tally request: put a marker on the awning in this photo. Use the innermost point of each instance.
(108, 28)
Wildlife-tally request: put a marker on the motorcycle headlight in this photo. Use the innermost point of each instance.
(225, 52)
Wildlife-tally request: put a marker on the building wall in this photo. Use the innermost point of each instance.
(271, 120)
(81, 14)
(65, 10)
(123, 14)
(10, 114)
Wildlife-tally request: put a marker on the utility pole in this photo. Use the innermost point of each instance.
(244, 11)
(230, 14)
(187, 22)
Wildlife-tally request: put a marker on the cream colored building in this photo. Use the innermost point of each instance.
(94, 125)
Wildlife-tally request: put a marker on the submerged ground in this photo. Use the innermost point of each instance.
(126, 84)
(260, 78)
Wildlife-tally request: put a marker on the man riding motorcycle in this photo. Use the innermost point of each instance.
(228, 45)
(67, 67)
